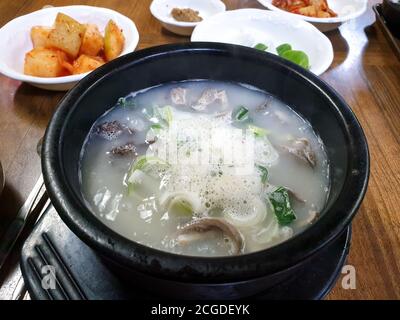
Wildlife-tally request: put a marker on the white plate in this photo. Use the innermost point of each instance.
(248, 27)
(161, 10)
(346, 10)
(15, 40)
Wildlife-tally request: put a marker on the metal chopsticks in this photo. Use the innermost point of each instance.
(13, 232)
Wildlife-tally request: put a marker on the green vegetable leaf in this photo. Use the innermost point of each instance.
(264, 173)
(143, 168)
(261, 46)
(161, 117)
(156, 126)
(281, 204)
(241, 114)
(283, 48)
(142, 162)
(139, 163)
(135, 180)
(298, 57)
(180, 207)
(124, 102)
(257, 131)
(164, 114)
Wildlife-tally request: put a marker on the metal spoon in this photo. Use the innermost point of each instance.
(37, 199)
(2, 179)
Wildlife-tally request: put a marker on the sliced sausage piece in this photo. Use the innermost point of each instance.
(294, 195)
(128, 148)
(110, 130)
(313, 216)
(264, 106)
(301, 149)
(178, 96)
(204, 225)
(210, 96)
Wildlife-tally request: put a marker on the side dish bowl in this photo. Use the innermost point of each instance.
(248, 27)
(13, 54)
(345, 9)
(197, 277)
(161, 10)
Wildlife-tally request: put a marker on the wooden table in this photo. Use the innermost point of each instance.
(365, 71)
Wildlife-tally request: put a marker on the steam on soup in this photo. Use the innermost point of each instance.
(204, 168)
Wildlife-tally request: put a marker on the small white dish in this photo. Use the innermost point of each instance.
(345, 9)
(16, 41)
(161, 10)
(249, 27)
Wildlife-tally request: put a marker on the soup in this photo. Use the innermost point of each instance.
(204, 168)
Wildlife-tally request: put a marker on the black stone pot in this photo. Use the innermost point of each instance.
(195, 277)
(391, 12)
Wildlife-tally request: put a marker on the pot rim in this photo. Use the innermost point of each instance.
(192, 268)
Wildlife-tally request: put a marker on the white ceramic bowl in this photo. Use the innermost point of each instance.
(161, 10)
(15, 39)
(346, 10)
(248, 27)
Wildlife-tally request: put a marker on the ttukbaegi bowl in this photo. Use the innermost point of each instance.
(391, 12)
(205, 277)
(16, 41)
(346, 9)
